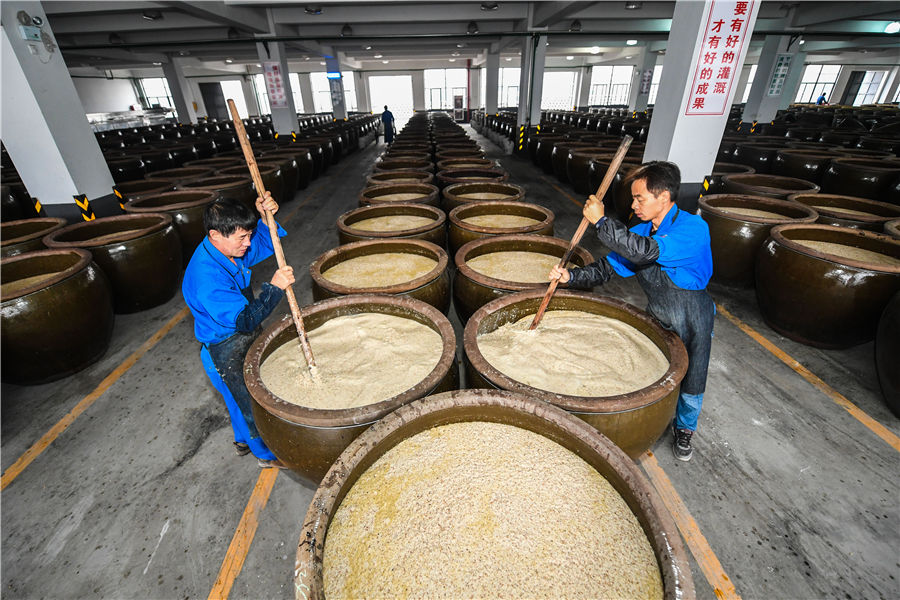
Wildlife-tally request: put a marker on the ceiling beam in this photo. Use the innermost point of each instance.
(547, 13)
(248, 19)
(817, 13)
(400, 13)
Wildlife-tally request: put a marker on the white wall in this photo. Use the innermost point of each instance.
(105, 95)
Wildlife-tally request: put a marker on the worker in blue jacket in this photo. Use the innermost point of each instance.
(669, 252)
(387, 119)
(227, 316)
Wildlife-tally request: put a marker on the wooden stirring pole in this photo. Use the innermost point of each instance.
(601, 191)
(273, 232)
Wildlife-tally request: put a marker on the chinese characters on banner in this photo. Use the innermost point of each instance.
(727, 29)
(275, 85)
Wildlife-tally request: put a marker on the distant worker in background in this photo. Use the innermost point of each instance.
(821, 100)
(387, 118)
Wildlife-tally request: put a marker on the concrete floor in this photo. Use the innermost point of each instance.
(790, 495)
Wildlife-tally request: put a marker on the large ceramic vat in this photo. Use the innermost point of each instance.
(432, 287)
(140, 255)
(818, 298)
(186, 209)
(462, 232)
(849, 211)
(887, 351)
(497, 407)
(57, 326)
(26, 235)
(435, 231)
(736, 238)
(633, 421)
(472, 290)
(309, 440)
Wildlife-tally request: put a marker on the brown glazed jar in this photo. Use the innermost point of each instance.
(57, 326)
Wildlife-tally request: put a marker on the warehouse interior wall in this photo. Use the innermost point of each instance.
(105, 95)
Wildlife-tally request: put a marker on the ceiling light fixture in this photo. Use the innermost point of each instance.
(460, 45)
(595, 49)
(802, 41)
(152, 15)
(322, 63)
(633, 5)
(631, 42)
(570, 58)
(508, 59)
(472, 28)
(313, 10)
(157, 64)
(892, 27)
(385, 61)
(346, 30)
(368, 47)
(259, 65)
(489, 6)
(455, 54)
(452, 59)
(378, 56)
(575, 26)
(229, 60)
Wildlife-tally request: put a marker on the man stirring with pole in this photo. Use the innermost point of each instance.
(669, 252)
(227, 316)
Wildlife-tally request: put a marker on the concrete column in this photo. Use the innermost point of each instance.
(363, 103)
(637, 100)
(338, 101)
(792, 82)
(491, 82)
(741, 84)
(691, 140)
(761, 104)
(181, 90)
(44, 129)
(524, 81)
(284, 119)
(890, 86)
(249, 96)
(418, 90)
(537, 80)
(306, 93)
(584, 87)
(475, 84)
(840, 85)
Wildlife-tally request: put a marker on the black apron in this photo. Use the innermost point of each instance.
(228, 357)
(689, 313)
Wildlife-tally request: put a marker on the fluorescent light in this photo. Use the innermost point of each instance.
(229, 60)
(892, 27)
(631, 42)
(508, 59)
(570, 58)
(385, 61)
(378, 56)
(452, 59)
(595, 49)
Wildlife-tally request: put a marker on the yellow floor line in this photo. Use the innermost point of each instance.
(703, 553)
(38, 447)
(838, 398)
(243, 535)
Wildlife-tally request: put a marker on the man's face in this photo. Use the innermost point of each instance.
(645, 205)
(234, 245)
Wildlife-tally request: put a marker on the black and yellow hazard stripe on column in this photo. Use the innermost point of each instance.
(39, 208)
(705, 186)
(120, 198)
(87, 213)
(521, 136)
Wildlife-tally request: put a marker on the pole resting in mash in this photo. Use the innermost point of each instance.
(87, 213)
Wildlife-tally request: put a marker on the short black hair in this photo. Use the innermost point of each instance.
(227, 215)
(660, 176)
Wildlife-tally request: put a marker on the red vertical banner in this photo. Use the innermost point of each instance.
(275, 85)
(726, 31)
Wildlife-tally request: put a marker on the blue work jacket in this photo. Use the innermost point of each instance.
(685, 254)
(212, 284)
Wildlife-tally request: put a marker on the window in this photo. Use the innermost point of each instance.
(233, 90)
(749, 84)
(558, 91)
(869, 87)
(156, 91)
(294, 78)
(321, 92)
(395, 92)
(441, 85)
(654, 84)
(610, 85)
(483, 79)
(262, 98)
(817, 79)
(509, 87)
(349, 91)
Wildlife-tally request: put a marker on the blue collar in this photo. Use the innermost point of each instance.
(233, 268)
(667, 220)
